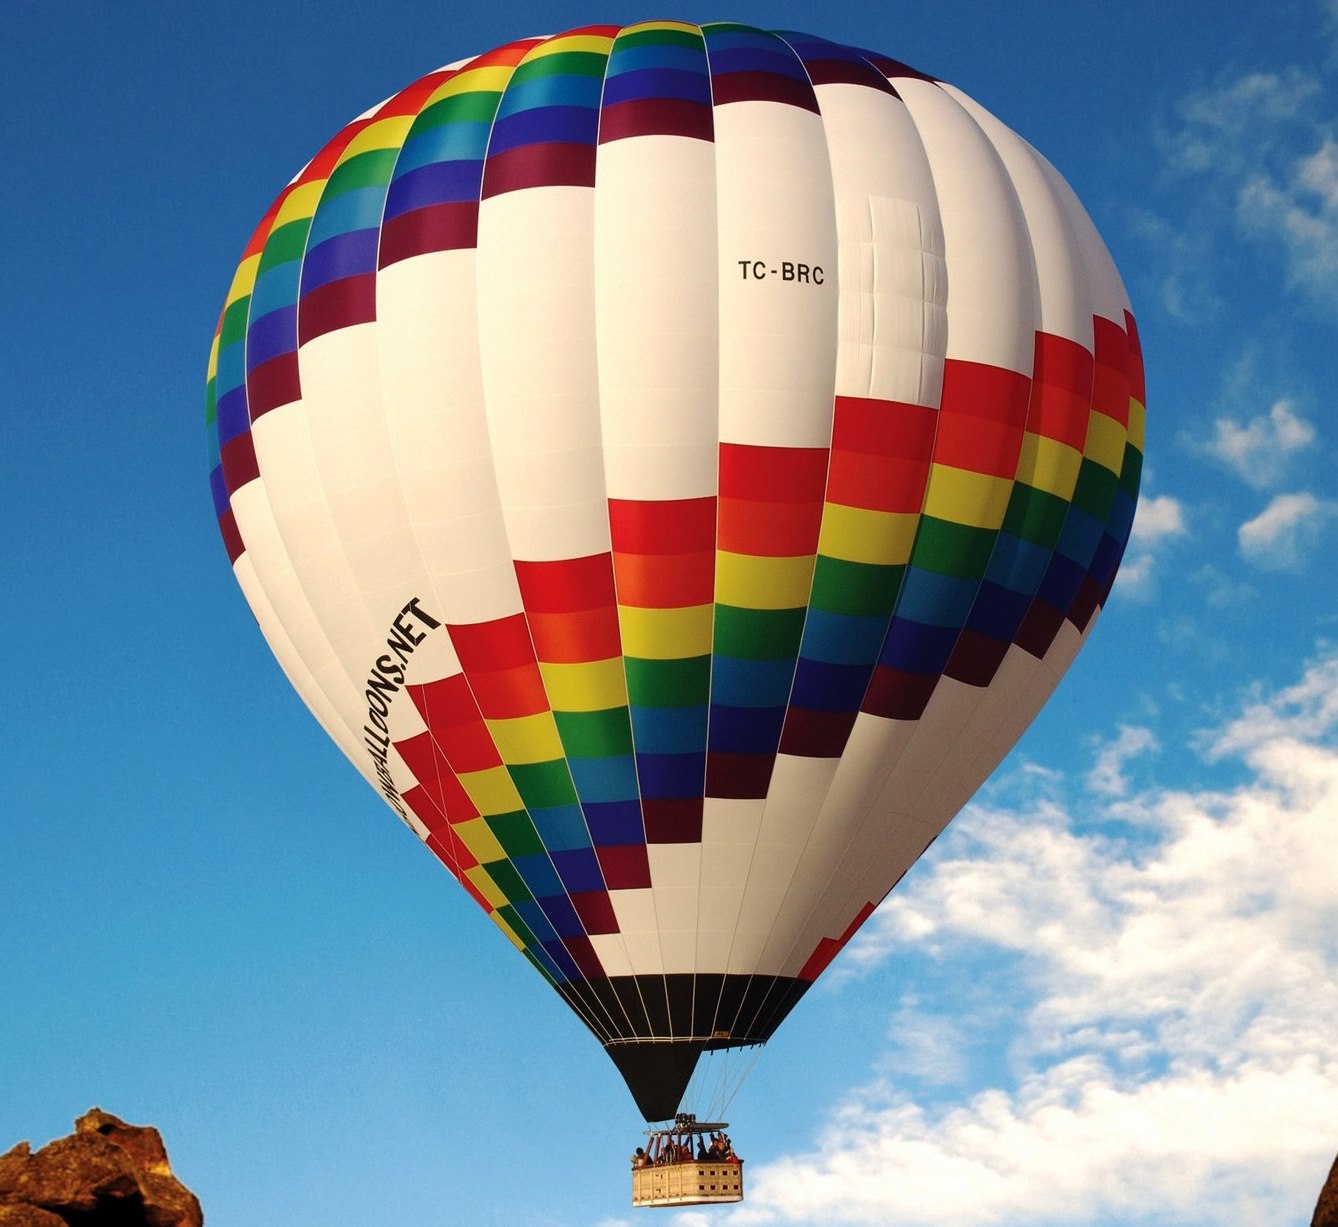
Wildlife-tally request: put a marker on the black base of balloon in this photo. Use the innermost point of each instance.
(655, 1027)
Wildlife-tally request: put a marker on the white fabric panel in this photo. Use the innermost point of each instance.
(427, 339)
(675, 874)
(777, 337)
(296, 496)
(992, 310)
(540, 379)
(656, 316)
(301, 561)
(615, 954)
(281, 642)
(1066, 309)
(994, 741)
(893, 337)
(1102, 278)
(892, 275)
(799, 787)
(356, 467)
(730, 829)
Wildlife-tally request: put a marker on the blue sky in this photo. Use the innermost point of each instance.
(1107, 995)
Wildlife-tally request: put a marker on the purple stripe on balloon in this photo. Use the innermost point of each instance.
(439, 183)
(345, 255)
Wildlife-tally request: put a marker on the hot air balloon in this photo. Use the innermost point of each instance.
(675, 463)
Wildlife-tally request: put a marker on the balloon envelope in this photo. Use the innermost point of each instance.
(675, 464)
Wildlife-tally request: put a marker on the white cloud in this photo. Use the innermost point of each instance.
(1107, 775)
(1260, 149)
(1280, 536)
(1177, 1061)
(1258, 450)
(1223, 129)
(1222, 591)
(1303, 216)
(1159, 518)
(931, 1044)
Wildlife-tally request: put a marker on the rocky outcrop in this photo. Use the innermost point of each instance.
(1326, 1212)
(105, 1174)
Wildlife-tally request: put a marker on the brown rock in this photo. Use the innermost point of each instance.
(142, 1143)
(12, 1163)
(1326, 1212)
(16, 1215)
(106, 1173)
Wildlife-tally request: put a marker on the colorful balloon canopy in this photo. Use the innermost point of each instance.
(675, 464)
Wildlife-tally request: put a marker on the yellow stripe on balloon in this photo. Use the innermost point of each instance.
(526, 739)
(388, 133)
(1137, 423)
(492, 791)
(300, 203)
(856, 534)
(477, 836)
(598, 43)
(752, 581)
(666, 634)
(590, 686)
(244, 279)
(490, 78)
(1049, 465)
(960, 496)
(1105, 442)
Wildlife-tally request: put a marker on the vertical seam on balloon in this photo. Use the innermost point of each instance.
(613, 572)
(715, 551)
(706, 742)
(454, 863)
(319, 687)
(751, 977)
(937, 772)
(1032, 408)
(857, 830)
(613, 1027)
(808, 606)
(579, 1006)
(413, 529)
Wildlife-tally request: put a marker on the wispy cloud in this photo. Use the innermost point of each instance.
(1281, 537)
(1259, 450)
(1107, 775)
(1300, 208)
(1259, 150)
(1159, 519)
(1177, 1061)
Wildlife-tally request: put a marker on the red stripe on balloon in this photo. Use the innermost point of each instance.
(452, 226)
(338, 304)
(982, 418)
(727, 87)
(1062, 390)
(1110, 388)
(829, 947)
(240, 465)
(272, 384)
(452, 715)
(656, 117)
(547, 164)
(880, 454)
